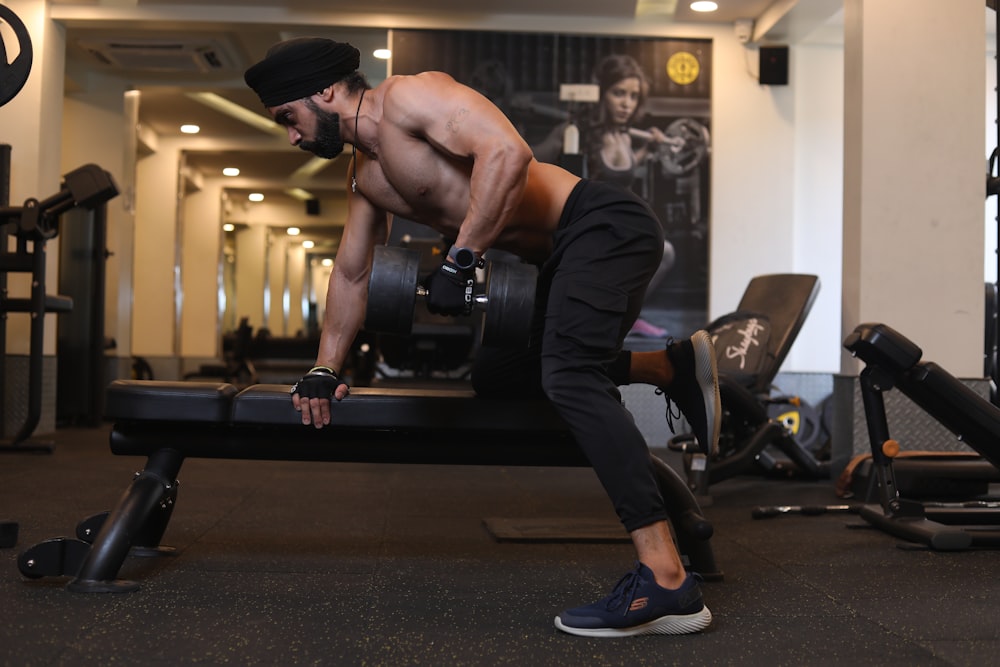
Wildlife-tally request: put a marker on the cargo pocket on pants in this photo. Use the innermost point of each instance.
(591, 314)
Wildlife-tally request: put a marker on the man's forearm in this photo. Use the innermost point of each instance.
(342, 321)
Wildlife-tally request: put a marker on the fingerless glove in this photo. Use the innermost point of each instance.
(320, 382)
(450, 290)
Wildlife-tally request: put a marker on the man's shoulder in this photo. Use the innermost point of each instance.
(417, 81)
(410, 91)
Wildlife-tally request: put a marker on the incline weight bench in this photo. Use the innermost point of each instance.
(892, 360)
(170, 421)
(771, 312)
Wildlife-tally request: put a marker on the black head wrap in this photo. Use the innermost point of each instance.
(300, 67)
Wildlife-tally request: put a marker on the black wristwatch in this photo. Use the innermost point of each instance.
(464, 258)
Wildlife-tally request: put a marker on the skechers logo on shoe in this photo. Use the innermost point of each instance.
(638, 604)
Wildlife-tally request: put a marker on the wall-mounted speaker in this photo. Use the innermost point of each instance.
(773, 65)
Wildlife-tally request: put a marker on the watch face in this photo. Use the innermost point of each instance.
(464, 258)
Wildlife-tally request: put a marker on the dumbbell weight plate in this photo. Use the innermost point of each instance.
(392, 290)
(803, 423)
(510, 304)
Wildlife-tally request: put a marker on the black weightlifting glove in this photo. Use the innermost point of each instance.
(320, 382)
(450, 290)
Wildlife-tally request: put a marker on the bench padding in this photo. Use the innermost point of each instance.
(213, 420)
(155, 400)
(269, 404)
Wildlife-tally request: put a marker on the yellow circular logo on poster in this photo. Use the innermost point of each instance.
(682, 68)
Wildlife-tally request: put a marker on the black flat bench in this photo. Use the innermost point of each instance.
(892, 360)
(170, 421)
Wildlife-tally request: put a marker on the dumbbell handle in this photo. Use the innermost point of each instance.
(480, 300)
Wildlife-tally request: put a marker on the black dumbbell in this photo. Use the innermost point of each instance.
(508, 301)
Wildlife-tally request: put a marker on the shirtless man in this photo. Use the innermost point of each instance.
(431, 150)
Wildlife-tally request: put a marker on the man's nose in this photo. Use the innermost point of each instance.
(293, 136)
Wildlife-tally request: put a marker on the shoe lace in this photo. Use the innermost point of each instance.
(624, 591)
(673, 410)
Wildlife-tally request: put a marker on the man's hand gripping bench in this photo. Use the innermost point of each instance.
(312, 394)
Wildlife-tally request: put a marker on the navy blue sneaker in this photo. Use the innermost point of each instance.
(640, 606)
(695, 389)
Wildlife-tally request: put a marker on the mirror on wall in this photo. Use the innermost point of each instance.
(274, 274)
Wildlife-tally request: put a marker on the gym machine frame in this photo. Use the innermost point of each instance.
(893, 361)
(35, 223)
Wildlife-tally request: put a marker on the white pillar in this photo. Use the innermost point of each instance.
(914, 175)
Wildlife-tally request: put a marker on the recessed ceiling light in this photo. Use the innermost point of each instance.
(231, 171)
(327, 261)
(190, 129)
(255, 196)
(293, 231)
(704, 6)
(382, 54)
(308, 244)
(228, 227)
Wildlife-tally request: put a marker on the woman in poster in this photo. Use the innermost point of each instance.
(619, 153)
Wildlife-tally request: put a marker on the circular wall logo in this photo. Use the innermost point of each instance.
(683, 68)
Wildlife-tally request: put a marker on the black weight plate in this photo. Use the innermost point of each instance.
(14, 75)
(803, 422)
(510, 304)
(392, 290)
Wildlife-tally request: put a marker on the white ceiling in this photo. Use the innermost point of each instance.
(134, 35)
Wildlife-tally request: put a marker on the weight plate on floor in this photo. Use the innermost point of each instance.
(802, 422)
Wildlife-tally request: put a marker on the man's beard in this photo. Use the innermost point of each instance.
(328, 143)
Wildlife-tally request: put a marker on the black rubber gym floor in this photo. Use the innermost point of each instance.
(362, 564)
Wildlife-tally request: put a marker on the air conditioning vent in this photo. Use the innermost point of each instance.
(160, 55)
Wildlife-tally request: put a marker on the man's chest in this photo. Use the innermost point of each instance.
(412, 180)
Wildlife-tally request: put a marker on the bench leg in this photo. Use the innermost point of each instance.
(147, 541)
(895, 515)
(99, 571)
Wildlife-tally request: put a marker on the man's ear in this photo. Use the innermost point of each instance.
(326, 94)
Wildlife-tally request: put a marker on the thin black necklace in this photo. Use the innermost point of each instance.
(354, 146)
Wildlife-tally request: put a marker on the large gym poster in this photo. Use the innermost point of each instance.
(640, 110)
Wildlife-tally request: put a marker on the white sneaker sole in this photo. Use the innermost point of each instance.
(707, 370)
(665, 625)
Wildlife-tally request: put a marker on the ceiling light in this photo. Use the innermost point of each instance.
(327, 261)
(190, 129)
(704, 6)
(231, 171)
(308, 244)
(293, 231)
(255, 196)
(382, 54)
(228, 227)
